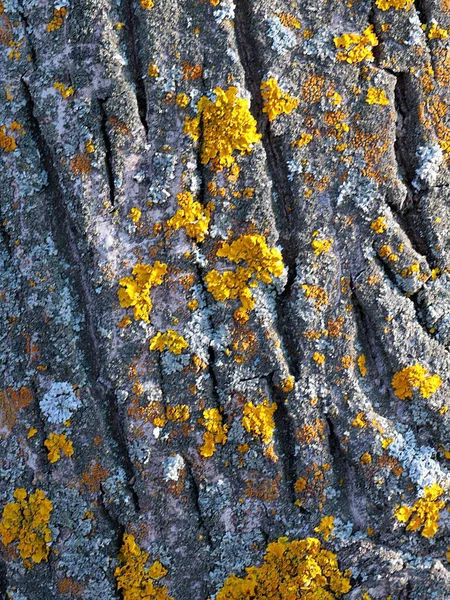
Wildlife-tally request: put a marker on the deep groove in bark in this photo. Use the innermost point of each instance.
(108, 152)
(195, 498)
(134, 63)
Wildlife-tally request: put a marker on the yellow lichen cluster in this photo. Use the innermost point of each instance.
(27, 521)
(262, 263)
(424, 511)
(397, 4)
(170, 339)
(375, 96)
(57, 21)
(325, 527)
(415, 376)
(134, 579)
(192, 215)
(276, 102)
(379, 225)
(178, 413)
(135, 289)
(320, 246)
(216, 431)
(437, 33)
(357, 47)
(226, 125)
(63, 90)
(258, 420)
(299, 569)
(7, 142)
(147, 4)
(304, 140)
(57, 443)
(135, 214)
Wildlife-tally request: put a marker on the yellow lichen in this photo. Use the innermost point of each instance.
(379, 225)
(227, 125)
(437, 33)
(182, 100)
(297, 569)
(276, 102)
(357, 47)
(57, 21)
(7, 142)
(216, 431)
(135, 289)
(135, 214)
(424, 511)
(320, 246)
(366, 458)
(325, 527)
(171, 340)
(147, 4)
(362, 365)
(287, 385)
(375, 96)
(397, 4)
(178, 413)
(318, 358)
(192, 215)
(153, 70)
(262, 263)
(411, 271)
(57, 443)
(258, 420)
(304, 140)
(64, 90)
(27, 521)
(134, 579)
(418, 377)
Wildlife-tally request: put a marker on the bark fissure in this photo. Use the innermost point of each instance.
(108, 153)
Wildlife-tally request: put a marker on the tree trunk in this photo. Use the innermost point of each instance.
(286, 359)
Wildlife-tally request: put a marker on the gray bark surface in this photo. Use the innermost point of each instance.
(83, 161)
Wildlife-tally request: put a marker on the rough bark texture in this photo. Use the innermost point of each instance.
(344, 444)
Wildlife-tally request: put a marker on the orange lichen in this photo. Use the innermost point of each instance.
(153, 70)
(11, 403)
(7, 142)
(325, 527)
(57, 443)
(366, 458)
(379, 225)
(291, 569)
(258, 420)
(170, 340)
(64, 90)
(227, 125)
(424, 511)
(362, 365)
(418, 377)
(317, 293)
(135, 580)
(276, 102)
(81, 164)
(262, 263)
(178, 413)
(216, 431)
(304, 140)
(357, 47)
(135, 289)
(27, 521)
(397, 4)
(411, 271)
(192, 215)
(147, 4)
(57, 21)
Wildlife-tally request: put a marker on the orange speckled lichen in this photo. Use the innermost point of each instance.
(135, 580)
(357, 47)
(264, 489)
(424, 512)
(291, 569)
(276, 102)
(57, 21)
(317, 293)
(81, 164)
(178, 413)
(397, 4)
(258, 420)
(192, 215)
(216, 431)
(262, 263)
(170, 340)
(415, 376)
(57, 443)
(227, 125)
(93, 477)
(135, 290)
(26, 520)
(11, 403)
(304, 140)
(310, 433)
(7, 142)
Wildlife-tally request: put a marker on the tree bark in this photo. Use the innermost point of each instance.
(349, 342)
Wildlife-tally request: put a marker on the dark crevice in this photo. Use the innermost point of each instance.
(108, 152)
(133, 62)
(196, 502)
(285, 431)
(211, 362)
(27, 28)
(340, 464)
(3, 580)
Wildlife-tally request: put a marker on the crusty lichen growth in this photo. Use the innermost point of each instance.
(258, 420)
(227, 125)
(7, 142)
(424, 512)
(320, 246)
(298, 569)
(397, 4)
(357, 47)
(57, 21)
(216, 431)
(135, 289)
(417, 377)
(262, 263)
(170, 340)
(379, 225)
(57, 443)
(134, 579)
(375, 96)
(325, 527)
(26, 520)
(276, 102)
(192, 215)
